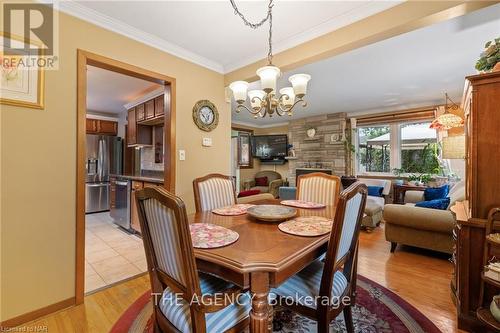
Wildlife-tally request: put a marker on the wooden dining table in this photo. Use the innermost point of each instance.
(262, 258)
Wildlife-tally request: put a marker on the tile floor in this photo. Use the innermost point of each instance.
(111, 254)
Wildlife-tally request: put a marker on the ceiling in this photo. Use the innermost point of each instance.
(208, 33)
(407, 71)
(108, 92)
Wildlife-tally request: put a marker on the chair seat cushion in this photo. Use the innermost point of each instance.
(177, 311)
(306, 283)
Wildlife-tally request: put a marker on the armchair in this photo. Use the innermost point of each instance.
(274, 182)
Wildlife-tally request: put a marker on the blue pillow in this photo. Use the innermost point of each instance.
(433, 193)
(375, 191)
(435, 204)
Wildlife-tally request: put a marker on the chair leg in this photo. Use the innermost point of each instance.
(393, 246)
(323, 326)
(348, 319)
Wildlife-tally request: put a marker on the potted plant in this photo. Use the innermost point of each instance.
(490, 58)
(398, 173)
(414, 180)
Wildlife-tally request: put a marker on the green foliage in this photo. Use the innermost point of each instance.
(490, 56)
(421, 160)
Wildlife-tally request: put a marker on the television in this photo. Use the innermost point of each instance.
(270, 147)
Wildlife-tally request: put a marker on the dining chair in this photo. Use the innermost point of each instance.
(334, 278)
(175, 281)
(213, 191)
(318, 187)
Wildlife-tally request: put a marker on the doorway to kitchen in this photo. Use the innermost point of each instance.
(125, 141)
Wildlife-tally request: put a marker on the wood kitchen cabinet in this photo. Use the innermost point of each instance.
(159, 106)
(91, 126)
(101, 127)
(150, 109)
(134, 215)
(137, 134)
(140, 112)
(112, 193)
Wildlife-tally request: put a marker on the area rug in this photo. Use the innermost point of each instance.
(377, 309)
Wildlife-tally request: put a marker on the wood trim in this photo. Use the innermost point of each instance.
(85, 58)
(26, 317)
(196, 188)
(428, 113)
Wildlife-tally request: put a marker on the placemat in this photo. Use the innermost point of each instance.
(209, 236)
(302, 204)
(307, 226)
(233, 210)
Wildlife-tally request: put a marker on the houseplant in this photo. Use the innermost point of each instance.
(490, 58)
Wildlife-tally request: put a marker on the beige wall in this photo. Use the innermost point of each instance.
(38, 163)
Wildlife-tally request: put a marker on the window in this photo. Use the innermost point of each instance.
(410, 147)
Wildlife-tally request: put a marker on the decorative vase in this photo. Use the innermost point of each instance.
(494, 307)
(399, 182)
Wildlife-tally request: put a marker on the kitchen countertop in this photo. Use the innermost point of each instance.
(140, 178)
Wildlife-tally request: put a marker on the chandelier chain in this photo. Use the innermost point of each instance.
(269, 17)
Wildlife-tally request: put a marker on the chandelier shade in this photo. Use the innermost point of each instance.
(448, 120)
(239, 89)
(299, 83)
(256, 97)
(268, 77)
(288, 96)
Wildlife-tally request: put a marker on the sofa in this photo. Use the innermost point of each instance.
(274, 182)
(374, 205)
(426, 228)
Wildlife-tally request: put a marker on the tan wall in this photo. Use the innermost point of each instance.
(38, 163)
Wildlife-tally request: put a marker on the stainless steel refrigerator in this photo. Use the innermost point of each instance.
(104, 157)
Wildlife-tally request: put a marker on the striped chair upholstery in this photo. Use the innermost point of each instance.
(353, 206)
(215, 192)
(165, 239)
(320, 188)
(178, 311)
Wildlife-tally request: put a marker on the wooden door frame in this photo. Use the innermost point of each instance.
(85, 58)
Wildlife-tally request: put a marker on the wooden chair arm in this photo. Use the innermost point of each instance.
(217, 302)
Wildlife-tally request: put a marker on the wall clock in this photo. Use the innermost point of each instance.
(205, 115)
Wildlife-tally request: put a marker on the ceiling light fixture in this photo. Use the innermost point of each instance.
(448, 120)
(266, 101)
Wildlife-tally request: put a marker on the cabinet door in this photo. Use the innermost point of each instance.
(91, 126)
(150, 109)
(159, 106)
(108, 127)
(140, 112)
(131, 127)
(134, 215)
(112, 193)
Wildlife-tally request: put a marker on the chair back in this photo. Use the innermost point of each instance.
(167, 242)
(318, 187)
(343, 244)
(213, 191)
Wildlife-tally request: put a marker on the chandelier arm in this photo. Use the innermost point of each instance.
(243, 106)
(289, 109)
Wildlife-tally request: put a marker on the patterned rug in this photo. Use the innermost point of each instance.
(377, 309)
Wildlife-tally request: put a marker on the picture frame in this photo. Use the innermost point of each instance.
(23, 87)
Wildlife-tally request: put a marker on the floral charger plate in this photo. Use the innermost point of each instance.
(233, 210)
(271, 213)
(209, 236)
(302, 204)
(307, 226)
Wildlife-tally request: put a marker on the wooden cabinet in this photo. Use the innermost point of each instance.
(159, 106)
(131, 127)
(112, 193)
(134, 215)
(140, 112)
(102, 127)
(137, 134)
(150, 109)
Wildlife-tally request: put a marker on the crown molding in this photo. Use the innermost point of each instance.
(144, 98)
(337, 22)
(89, 15)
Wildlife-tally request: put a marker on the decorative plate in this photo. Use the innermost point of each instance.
(302, 204)
(209, 236)
(271, 213)
(307, 226)
(238, 209)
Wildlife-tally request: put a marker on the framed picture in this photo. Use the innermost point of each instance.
(244, 150)
(22, 81)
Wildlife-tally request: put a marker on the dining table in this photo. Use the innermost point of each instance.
(262, 258)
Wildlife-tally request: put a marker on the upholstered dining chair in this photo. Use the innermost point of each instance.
(175, 281)
(335, 278)
(318, 187)
(213, 191)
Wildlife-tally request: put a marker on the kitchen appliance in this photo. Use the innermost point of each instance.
(104, 156)
(120, 211)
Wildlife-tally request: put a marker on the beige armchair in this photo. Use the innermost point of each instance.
(274, 181)
(422, 227)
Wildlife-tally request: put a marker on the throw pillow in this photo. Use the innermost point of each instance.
(434, 204)
(347, 181)
(433, 193)
(375, 191)
(261, 181)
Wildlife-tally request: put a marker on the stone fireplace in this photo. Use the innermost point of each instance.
(324, 152)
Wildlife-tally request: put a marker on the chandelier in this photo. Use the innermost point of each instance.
(448, 120)
(266, 101)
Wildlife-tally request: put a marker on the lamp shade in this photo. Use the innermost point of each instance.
(256, 97)
(268, 76)
(287, 92)
(299, 83)
(239, 89)
(453, 147)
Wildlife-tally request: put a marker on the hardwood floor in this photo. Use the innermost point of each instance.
(420, 277)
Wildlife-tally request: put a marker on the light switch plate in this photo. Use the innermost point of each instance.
(182, 155)
(207, 142)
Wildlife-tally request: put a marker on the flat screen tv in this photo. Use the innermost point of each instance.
(270, 147)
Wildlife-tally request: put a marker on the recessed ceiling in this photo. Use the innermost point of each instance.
(108, 92)
(403, 72)
(208, 32)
